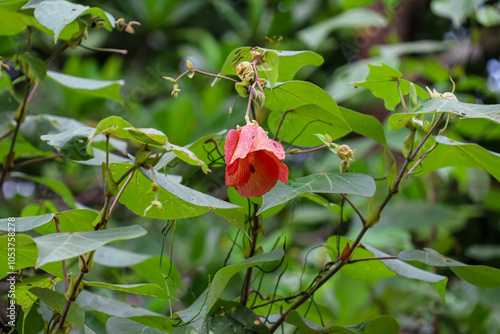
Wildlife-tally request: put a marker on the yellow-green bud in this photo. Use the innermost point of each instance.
(244, 70)
(345, 153)
(413, 96)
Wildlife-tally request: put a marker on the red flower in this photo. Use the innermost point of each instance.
(253, 161)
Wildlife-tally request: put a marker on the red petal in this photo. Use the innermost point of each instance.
(245, 143)
(231, 142)
(238, 173)
(263, 178)
(283, 171)
(263, 142)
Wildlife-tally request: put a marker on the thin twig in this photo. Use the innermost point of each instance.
(307, 294)
(123, 52)
(6, 134)
(32, 161)
(309, 150)
(216, 76)
(363, 220)
(117, 198)
(419, 161)
(279, 125)
(374, 258)
(255, 224)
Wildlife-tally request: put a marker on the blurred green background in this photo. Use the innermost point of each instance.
(457, 211)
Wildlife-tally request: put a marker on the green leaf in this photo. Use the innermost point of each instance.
(203, 148)
(113, 125)
(198, 311)
(365, 125)
(74, 144)
(428, 256)
(79, 220)
(272, 60)
(481, 276)
(148, 136)
(116, 325)
(289, 61)
(36, 65)
(314, 36)
(455, 10)
(26, 255)
(61, 246)
(98, 88)
(152, 290)
(363, 270)
(38, 125)
(26, 299)
(383, 83)
(57, 186)
(309, 110)
(57, 302)
(55, 15)
(347, 183)
(25, 223)
(232, 317)
(92, 302)
(12, 22)
(438, 106)
(404, 269)
(187, 156)
(453, 153)
(156, 276)
(383, 324)
(118, 258)
(178, 201)
(488, 16)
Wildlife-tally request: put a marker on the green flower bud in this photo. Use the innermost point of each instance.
(413, 96)
(245, 70)
(408, 144)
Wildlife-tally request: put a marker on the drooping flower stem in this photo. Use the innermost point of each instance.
(255, 227)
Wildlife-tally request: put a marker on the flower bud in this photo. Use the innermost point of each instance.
(408, 144)
(345, 153)
(413, 96)
(433, 94)
(245, 70)
(255, 55)
(449, 96)
(344, 166)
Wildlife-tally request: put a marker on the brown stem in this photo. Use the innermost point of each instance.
(279, 125)
(363, 220)
(374, 258)
(32, 161)
(216, 76)
(255, 224)
(123, 52)
(117, 198)
(419, 161)
(68, 303)
(319, 283)
(6, 134)
(309, 150)
(403, 171)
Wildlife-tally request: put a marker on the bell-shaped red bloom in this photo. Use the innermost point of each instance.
(253, 161)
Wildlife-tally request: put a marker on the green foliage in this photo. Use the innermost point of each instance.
(61, 246)
(317, 254)
(382, 324)
(352, 183)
